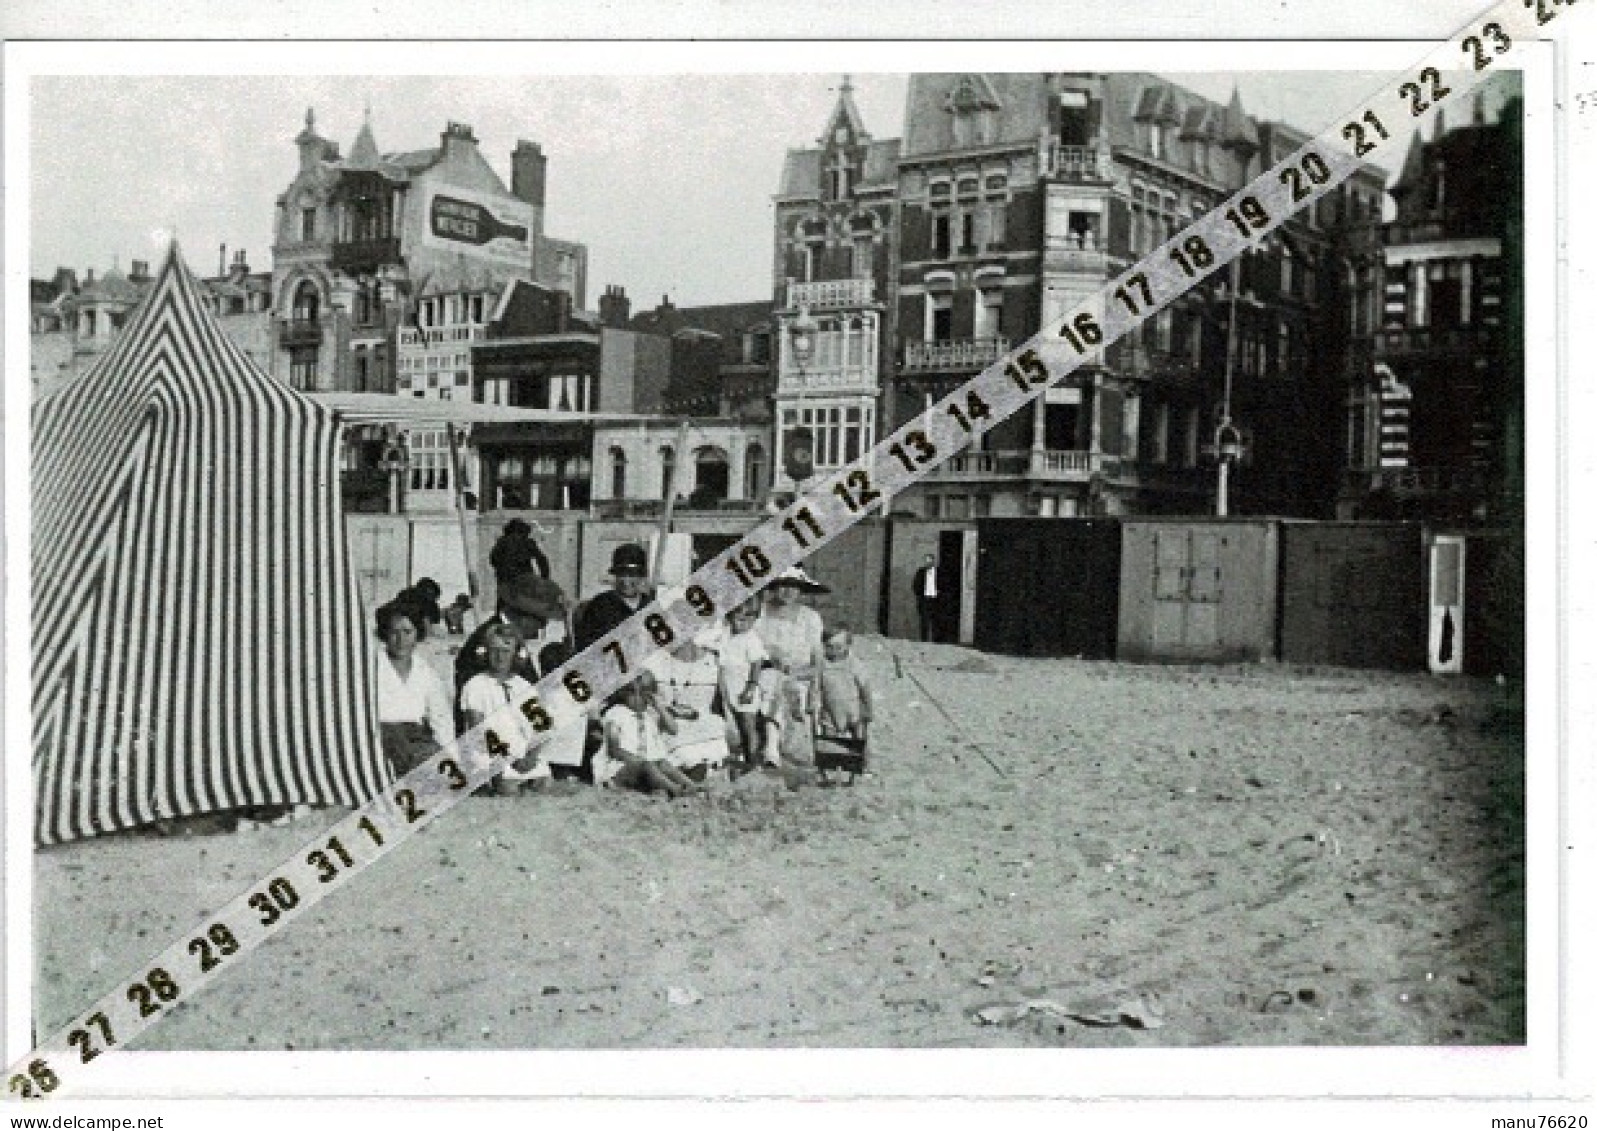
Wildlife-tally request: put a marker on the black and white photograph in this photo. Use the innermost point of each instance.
(1204, 699)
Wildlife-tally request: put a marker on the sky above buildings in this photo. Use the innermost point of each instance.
(667, 178)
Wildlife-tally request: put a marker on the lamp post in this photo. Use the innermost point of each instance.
(1227, 440)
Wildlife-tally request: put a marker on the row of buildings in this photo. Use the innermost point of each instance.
(1367, 355)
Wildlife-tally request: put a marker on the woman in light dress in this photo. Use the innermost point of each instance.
(413, 710)
(791, 631)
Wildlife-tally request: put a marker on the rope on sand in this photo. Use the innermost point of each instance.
(932, 699)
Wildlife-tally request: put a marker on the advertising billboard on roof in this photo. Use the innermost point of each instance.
(468, 222)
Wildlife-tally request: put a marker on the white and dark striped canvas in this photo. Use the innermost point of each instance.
(198, 643)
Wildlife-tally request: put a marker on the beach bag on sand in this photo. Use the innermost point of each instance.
(840, 752)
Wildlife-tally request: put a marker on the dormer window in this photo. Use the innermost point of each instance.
(1073, 118)
(975, 107)
(839, 176)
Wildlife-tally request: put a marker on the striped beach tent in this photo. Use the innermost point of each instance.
(198, 641)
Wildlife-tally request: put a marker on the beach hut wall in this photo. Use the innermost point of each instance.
(1048, 586)
(1199, 590)
(1352, 594)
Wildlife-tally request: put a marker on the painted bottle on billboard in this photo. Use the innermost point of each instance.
(466, 221)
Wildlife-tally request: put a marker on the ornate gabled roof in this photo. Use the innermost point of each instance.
(1413, 170)
(1200, 123)
(363, 154)
(845, 115)
(309, 132)
(414, 160)
(1019, 102)
(801, 169)
(1157, 103)
(971, 93)
(113, 286)
(1239, 131)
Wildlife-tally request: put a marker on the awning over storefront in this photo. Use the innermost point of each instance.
(387, 408)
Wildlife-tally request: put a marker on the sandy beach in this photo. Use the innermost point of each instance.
(1148, 856)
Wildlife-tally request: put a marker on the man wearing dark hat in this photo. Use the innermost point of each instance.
(529, 603)
(629, 571)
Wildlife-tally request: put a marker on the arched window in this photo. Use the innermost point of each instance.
(668, 463)
(753, 472)
(307, 303)
(712, 477)
(618, 473)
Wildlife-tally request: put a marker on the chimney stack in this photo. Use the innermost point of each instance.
(456, 137)
(221, 260)
(529, 172)
(312, 146)
(615, 308)
(141, 271)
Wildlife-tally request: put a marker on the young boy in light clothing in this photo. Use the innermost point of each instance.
(844, 705)
(743, 657)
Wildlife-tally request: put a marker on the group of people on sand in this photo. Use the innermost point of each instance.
(768, 687)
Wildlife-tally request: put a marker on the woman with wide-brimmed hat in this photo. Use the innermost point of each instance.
(791, 632)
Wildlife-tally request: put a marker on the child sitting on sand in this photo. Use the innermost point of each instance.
(742, 658)
(635, 753)
(688, 676)
(486, 695)
(844, 706)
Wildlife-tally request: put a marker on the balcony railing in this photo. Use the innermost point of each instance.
(652, 508)
(1427, 232)
(1051, 464)
(1077, 163)
(364, 255)
(301, 332)
(1054, 466)
(983, 465)
(412, 336)
(1393, 343)
(963, 353)
(803, 382)
(832, 293)
(1062, 255)
(1411, 481)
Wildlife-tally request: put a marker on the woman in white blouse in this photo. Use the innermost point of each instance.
(412, 706)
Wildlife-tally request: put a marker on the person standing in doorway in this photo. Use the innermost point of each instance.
(517, 555)
(926, 598)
